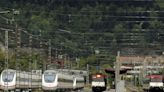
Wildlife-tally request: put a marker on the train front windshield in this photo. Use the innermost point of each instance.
(98, 79)
(8, 76)
(49, 77)
(156, 80)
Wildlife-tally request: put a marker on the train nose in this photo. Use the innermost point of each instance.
(6, 83)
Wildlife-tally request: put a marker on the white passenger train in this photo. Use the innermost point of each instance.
(53, 80)
(19, 80)
(78, 82)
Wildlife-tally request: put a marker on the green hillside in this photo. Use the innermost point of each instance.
(79, 27)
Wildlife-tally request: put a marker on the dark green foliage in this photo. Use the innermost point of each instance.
(107, 25)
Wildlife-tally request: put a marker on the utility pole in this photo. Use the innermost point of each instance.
(56, 57)
(6, 52)
(6, 48)
(49, 52)
(88, 74)
(18, 40)
(70, 59)
(18, 43)
(18, 35)
(144, 68)
(117, 71)
(140, 75)
(30, 52)
(40, 45)
(117, 67)
(30, 57)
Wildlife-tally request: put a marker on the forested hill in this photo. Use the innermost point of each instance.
(80, 27)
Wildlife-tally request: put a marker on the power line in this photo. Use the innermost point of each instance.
(125, 11)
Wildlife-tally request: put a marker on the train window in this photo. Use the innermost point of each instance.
(80, 81)
(65, 80)
(8, 76)
(49, 77)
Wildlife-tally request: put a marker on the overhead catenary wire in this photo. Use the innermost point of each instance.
(98, 15)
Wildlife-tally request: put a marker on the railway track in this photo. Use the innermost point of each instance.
(134, 89)
(130, 89)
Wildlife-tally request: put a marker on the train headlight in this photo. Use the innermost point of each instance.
(98, 76)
